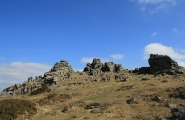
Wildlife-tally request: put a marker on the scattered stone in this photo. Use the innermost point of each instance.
(178, 113)
(182, 95)
(158, 98)
(170, 105)
(164, 81)
(132, 101)
(145, 79)
(65, 109)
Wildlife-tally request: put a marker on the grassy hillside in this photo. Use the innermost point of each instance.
(140, 97)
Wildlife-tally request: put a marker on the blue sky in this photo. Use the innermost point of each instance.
(35, 34)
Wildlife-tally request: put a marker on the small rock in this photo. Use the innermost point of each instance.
(164, 81)
(65, 109)
(145, 79)
(182, 95)
(178, 113)
(131, 101)
(158, 98)
(170, 105)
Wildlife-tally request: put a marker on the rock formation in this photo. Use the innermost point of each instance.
(97, 67)
(160, 64)
(61, 70)
(163, 64)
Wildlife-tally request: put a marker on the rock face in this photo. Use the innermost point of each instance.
(97, 67)
(61, 70)
(178, 113)
(160, 64)
(163, 64)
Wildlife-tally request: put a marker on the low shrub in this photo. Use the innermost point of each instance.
(43, 89)
(12, 109)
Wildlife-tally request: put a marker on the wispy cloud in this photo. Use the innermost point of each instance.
(154, 6)
(117, 56)
(156, 2)
(175, 30)
(87, 59)
(154, 33)
(17, 72)
(158, 48)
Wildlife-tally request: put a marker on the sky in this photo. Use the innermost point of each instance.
(35, 34)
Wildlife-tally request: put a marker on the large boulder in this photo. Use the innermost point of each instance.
(160, 64)
(60, 71)
(163, 64)
(61, 66)
(118, 68)
(108, 67)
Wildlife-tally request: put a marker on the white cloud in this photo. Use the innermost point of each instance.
(158, 48)
(103, 60)
(154, 6)
(117, 56)
(156, 2)
(90, 59)
(17, 72)
(87, 59)
(154, 33)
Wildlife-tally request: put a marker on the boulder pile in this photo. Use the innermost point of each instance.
(60, 71)
(97, 67)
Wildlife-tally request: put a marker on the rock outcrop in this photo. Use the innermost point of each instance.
(61, 70)
(97, 67)
(160, 64)
(163, 64)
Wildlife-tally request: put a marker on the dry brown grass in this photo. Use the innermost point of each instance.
(116, 93)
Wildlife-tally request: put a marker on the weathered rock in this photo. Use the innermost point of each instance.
(178, 113)
(158, 98)
(182, 95)
(132, 101)
(60, 70)
(97, 67)
(160, 64)
(170, 105)
(108, 67)
(144, 70)
(163, 64)
(145, 78)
